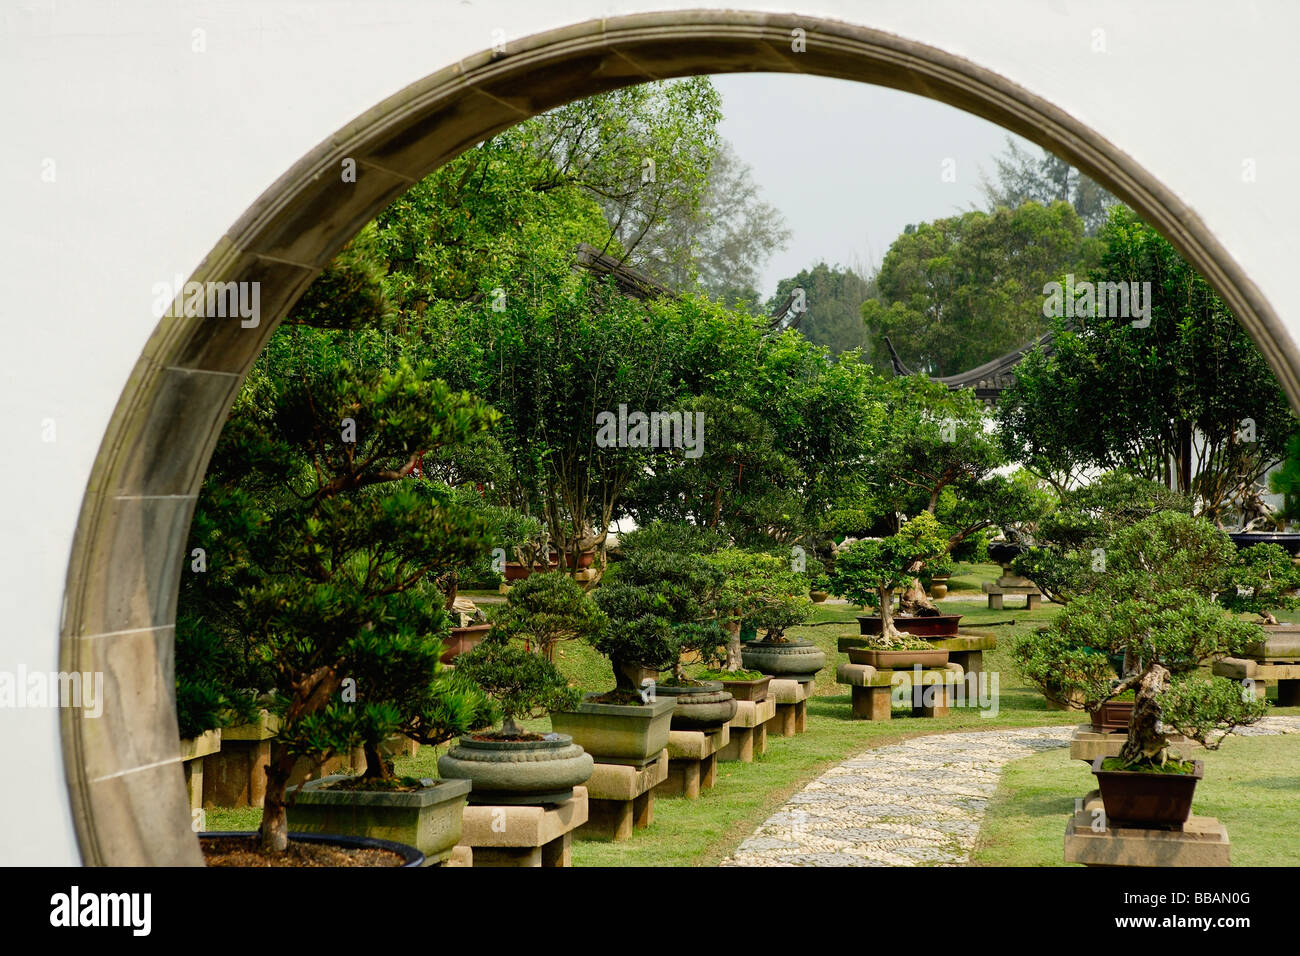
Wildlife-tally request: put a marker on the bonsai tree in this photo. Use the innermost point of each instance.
(1064, 562)
(523, 682)
(867, 572)
(659, 602)
(544, 609)
(1153, 610)
(759, 590)
(1261, 580)
(329, 548)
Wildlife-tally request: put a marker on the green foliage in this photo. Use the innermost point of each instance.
(1022, 178)
(1286, 480)
(1069, 557)
(865, 569)
(1262, 579)
(957, 292)
(833, 298)
(1114, 395)
(898, 642)
(523, 682)
(1154, 609)
(543, 609)
(760, 590)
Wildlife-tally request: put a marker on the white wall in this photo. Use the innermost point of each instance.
(158, 149)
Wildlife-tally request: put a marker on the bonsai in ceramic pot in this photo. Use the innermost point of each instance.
(544, 609)
(1263, 579)
(868, 571)
(512, 765)
(904, 651)
(759, 591)
(328, 550)
(1152, 610)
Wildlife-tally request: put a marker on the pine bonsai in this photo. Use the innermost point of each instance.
(867, 572)
(327, 549)
(759, 590)
(523, 682)
(1154, 610)
(544, 609)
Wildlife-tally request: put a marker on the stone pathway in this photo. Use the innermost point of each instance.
(916, 803)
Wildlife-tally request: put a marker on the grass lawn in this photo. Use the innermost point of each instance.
(1250, 785)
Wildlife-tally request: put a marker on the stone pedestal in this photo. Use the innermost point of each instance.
(873, 691)
(193, 750)
(791, 697)
(1261, 673)
(748, 730)
(1203, 841)
(621, 799)
(524, 835)
(692, 762)
(460, 856)
(1011, 583)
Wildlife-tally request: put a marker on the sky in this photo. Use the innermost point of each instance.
(849, 165)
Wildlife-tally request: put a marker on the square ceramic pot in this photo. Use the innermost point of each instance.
(618, 733)
(1155, 801)
(895, 660)
(428, 819)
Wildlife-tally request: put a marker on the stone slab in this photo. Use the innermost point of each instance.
(696, 744)
(611, 781)
(788, 691)
(750, 714)
(1203, 841)
(193, 748)
(485, 827)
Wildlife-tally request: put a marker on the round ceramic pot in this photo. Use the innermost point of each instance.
(518, 771)
(796, 659)
(703, 706)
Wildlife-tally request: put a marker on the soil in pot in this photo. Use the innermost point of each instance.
(1151, 799)
(309, 850)
(741, 685)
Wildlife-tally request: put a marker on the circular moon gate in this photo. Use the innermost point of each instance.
(125, 777)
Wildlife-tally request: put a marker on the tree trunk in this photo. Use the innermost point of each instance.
(273, 835)
(1145, 740)
(509, 728)
(733, 645)
(377, 767)
(914, 600)
(886, 598)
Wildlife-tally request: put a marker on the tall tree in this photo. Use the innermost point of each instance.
(958, 292)
(833, 298)
(1021, 177)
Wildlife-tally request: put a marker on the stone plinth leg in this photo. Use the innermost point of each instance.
(235, 776)
(760, 740)
(608, 820)
(683, 780)
(872, 703)
(1033, 602)
(643, 810)
(559, 852)
(931, 700)
(740, 747)
(194, 782)
(972, 662)
(708, 772)
(995, 602)
(785, 723)
(1288, 693)
(498, 856)
(801, 716)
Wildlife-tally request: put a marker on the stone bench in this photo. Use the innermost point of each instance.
(1261, 674)
(193, 750)
(997, 591)
(692, 762)
(872, 691)
(791, 698)
(621, 798)
(1203, 841)
(748, 730)
(523, 835)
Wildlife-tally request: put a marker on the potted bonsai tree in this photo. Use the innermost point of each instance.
(660, 600)
(759, 591)
(544, 609)
(869, 571)
(1152, 611)
(512, 765)
(308, 499)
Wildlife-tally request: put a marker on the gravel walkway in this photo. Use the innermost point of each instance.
(916, 803)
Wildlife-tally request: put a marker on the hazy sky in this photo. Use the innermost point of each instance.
(850, 164)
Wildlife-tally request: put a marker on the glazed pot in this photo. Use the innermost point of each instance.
(818, 596)
(1112, 716)
(462, 640)
(517, 572)
(1157, 801)
(1288, 541)
(518, 771)
(755, 690)
(931, 625)
(618, 733)
(796, 659)
(705, 706)
(894, 660)
(427, 819)
(409, 854)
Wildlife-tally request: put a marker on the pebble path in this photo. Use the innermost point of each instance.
(917, 803)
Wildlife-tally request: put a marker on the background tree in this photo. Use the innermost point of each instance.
(1186, 400)
(957, 292)
(1020, 177)
(544, 609)
(834, 296)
